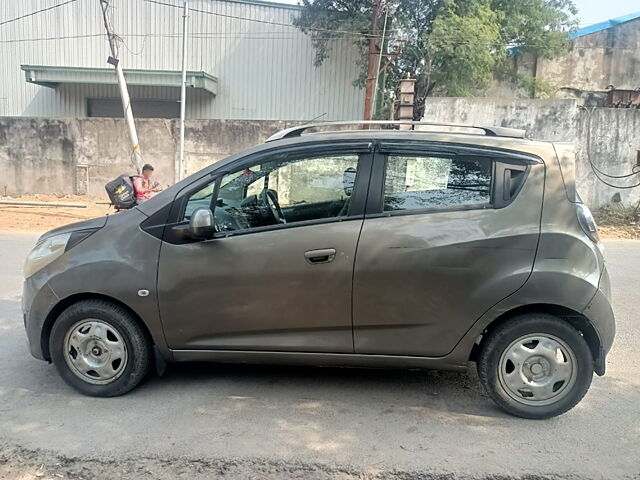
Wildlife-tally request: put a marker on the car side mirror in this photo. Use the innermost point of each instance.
(201, 224)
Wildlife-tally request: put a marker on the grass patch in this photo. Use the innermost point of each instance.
(617, 215)
(618, 222)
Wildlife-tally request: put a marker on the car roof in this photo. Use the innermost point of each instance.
(461, 138)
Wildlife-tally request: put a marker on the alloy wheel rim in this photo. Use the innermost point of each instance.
(537, 369)
(95, 351)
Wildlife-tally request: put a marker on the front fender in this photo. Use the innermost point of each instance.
(116, 262)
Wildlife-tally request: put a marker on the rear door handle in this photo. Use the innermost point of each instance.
(324, 255)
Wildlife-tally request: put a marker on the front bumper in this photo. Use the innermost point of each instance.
(38, 300)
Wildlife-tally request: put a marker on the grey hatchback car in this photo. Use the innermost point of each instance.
(362, 248)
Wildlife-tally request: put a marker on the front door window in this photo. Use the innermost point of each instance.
(286, 191)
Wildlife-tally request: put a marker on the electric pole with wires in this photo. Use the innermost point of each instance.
(183, 89)
(372, 62)
(136, 154)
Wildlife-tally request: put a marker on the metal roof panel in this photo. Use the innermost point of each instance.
(597, 27)
(53, 76)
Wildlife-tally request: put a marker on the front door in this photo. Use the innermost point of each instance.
(447, 235)
(278, 274)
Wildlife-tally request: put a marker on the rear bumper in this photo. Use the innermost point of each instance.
(600, 313)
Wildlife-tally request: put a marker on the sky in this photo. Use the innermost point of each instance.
(595, 11)
(589, 11)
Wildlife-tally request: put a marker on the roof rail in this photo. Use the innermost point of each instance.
(491, 131)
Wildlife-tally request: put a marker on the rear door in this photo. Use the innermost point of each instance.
(449, 232)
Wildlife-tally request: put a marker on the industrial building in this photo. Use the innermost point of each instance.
(245, 59)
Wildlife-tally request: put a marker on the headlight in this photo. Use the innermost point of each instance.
(45, 252)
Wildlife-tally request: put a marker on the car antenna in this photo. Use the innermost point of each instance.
(315, 118)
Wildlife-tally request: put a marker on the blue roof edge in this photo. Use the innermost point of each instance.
(598, 27)
(581, 32)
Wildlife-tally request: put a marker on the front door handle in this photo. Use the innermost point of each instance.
(324, 255)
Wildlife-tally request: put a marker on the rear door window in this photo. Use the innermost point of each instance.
(419, 182)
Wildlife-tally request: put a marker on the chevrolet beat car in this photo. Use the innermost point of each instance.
(367, 248)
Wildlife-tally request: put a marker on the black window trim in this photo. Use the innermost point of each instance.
(418, 147)
(285, 226)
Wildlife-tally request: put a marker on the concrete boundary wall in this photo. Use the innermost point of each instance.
(613, 135)
(78, 156)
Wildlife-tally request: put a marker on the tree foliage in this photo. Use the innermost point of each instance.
(451, 47)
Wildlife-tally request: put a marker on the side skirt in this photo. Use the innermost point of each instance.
(318, 359)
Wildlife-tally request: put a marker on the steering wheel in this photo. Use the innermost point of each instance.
(269, 199)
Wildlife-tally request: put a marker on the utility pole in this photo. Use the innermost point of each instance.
(183, 88)
(136, 155)
(376, 81)
(371, 62)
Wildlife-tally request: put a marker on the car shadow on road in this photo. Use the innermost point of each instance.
(392, 390)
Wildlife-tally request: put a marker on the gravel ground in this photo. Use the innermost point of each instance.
(40, 219)
(29, 464)
(238, 422)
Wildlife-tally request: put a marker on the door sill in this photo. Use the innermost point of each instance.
(318, 359)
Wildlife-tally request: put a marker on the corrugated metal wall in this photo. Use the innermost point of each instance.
(264, 71)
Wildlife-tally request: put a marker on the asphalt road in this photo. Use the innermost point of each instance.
(243, 421)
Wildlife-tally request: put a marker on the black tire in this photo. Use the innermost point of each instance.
(499, 339)
(138, 347)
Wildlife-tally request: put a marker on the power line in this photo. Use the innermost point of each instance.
(268, 22)
(204, 35)
(43, 39)
(275, 35)
(595, 169)
(622, 187)
(144, 44)
(365, 35)
(256, 35)
(346, 34)
(36, 12)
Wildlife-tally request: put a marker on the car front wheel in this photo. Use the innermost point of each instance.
(99, 348)
(535, 366)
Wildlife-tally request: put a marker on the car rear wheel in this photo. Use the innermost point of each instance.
(99, 348)
(535, 366)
